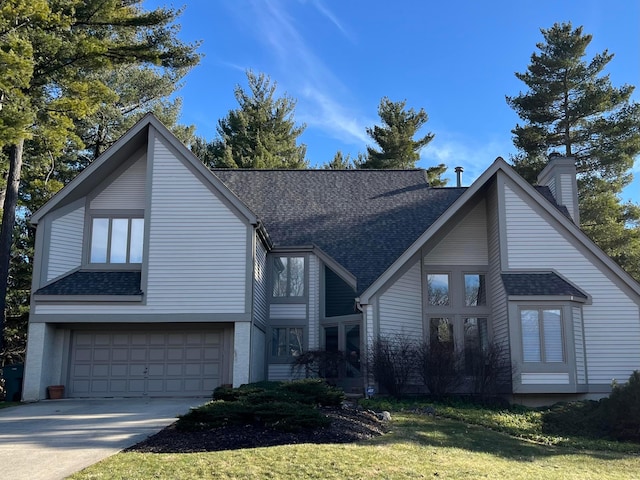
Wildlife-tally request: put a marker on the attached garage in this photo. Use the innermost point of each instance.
(146, 362)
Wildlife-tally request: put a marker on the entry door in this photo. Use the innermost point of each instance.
(346, 338)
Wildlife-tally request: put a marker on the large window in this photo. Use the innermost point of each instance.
(116, 240)
(542, 340)
(288, 277)
(457, 311)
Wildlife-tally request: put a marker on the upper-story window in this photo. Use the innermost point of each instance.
(116, 240)
(288, 277)
(475, 290)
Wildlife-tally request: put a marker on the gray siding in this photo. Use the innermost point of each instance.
(578, 338)
(260, 308)
(465, 244)
(288, 311)
(401, 306)
(127, 191)
(65, 243)
(313, 342)
(500, 317)
(197, 249)
(611, 321)
(258, 352)
(197, 245)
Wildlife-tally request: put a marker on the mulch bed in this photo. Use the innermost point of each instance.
(347, 426)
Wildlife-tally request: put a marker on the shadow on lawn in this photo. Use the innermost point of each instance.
(443, 432)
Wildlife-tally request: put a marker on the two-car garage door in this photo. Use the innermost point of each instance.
(145, 363)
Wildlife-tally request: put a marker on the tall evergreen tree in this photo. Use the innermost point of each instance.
(261, 132)
(571, 106)
(53, 50)
(395, 137)
(340, 162)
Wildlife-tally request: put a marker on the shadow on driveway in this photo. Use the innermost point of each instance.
(55, 438)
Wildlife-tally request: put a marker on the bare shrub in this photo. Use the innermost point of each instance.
(490, 368)
(440, 366)
(392, 362)
(320, 364)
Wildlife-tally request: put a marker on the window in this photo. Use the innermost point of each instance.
(542, 335)
(286, 341)
(476, 342)
(441, 333)
(288, 277)
(438, 289)
(475, 290)
(116, 240)
(457, 312)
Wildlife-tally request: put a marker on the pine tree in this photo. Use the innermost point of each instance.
(395, 138)
(261, 132)
(340, 162)
(571, 106)
(54, 51)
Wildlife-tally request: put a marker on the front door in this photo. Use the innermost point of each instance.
(345, 337)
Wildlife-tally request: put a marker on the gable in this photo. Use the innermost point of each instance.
(127, 190)
(465, 243)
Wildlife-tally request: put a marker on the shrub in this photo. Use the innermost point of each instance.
(580, 419)
(623, 409)
(218, 413)
(320, 363)
(440, 367)
(392, 363)
(490, 368)
(315, 391)
(287, 406)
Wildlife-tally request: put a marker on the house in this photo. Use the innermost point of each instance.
(155, 276)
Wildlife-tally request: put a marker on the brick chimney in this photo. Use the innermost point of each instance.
(560, 176)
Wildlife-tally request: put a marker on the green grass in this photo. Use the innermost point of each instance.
(417, 447)
(8, 404)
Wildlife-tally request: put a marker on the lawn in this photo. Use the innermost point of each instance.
(8, 404)
(418, 446)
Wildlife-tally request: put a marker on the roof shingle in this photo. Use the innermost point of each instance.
(364, 219)
(95, 283)
(542, 284)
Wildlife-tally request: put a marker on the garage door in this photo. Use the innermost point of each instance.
(137, 363)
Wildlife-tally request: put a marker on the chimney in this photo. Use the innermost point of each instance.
(459, 171)
(560, 176)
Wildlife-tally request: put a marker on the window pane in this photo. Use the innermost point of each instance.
(475, 290)
(552, 330)
(137, 236)
(99, 240)
(441, 333)
(296, 276)
(352, 349)
(279, 342)
(119, 240)
(331, 339)
(295, 342)
(280, 277)
(475, 342)
(530, 336)
(438, 289)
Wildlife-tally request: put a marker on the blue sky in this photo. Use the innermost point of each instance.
(456, 59)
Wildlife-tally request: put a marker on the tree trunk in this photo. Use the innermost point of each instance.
(6, 230)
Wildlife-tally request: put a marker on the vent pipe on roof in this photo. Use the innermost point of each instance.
(459, 171)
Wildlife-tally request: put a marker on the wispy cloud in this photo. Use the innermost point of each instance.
(320, 6)
(454, 152)
(322, 98)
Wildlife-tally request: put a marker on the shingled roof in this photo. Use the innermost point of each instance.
(95, 283)
(363, 219)
(543, 284)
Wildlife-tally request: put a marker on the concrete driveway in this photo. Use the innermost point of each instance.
(52, 439)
